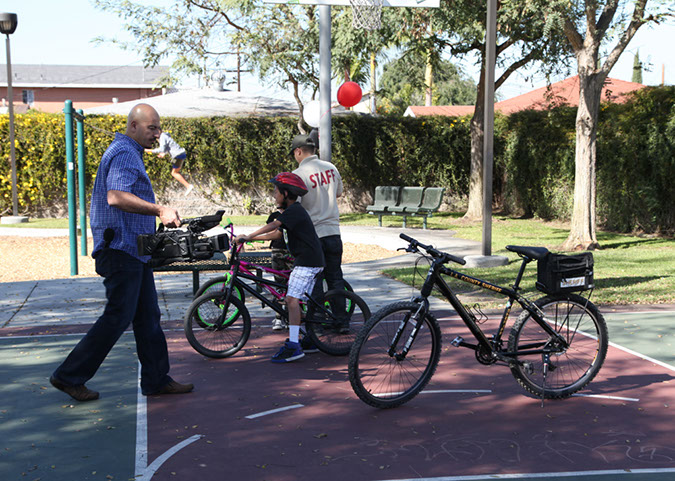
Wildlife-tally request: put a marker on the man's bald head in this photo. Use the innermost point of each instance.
(143, 125)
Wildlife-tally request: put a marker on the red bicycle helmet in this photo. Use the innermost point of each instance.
(290, 182)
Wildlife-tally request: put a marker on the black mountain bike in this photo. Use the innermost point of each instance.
(555, 347)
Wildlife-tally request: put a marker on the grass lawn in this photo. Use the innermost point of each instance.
(628, 269)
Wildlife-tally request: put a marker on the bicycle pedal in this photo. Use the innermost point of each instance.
(457, 341)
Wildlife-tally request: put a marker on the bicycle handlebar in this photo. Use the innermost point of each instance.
(414, 246)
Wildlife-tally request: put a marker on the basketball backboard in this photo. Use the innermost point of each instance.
(347, 3)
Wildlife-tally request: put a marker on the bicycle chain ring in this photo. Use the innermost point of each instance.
(484, 356)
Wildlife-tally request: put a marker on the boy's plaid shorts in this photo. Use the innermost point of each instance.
(302, 280)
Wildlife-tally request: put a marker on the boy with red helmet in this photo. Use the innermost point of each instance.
(296, 227)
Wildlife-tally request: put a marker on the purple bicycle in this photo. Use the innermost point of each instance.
(218, 323)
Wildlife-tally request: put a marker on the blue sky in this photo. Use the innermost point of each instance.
(60, 32)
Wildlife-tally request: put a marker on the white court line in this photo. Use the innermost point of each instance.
(444, 391)
(141, 429)
(43, 335)
(272, 411)
(602, 396)
(646, 358)
(36, 336)
(142, 471)
(440, 391)
(570, 474)
(149, 472)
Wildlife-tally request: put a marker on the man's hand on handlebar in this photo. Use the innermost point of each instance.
(240, 239)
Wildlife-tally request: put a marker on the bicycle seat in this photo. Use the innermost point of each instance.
(531, 252)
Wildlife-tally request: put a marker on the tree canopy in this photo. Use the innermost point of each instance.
(403, 84)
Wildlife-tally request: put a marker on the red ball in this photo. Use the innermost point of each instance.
(349, 94)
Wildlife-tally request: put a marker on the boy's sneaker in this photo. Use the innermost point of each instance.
(290, 351)
(277, 324)
(308, 347)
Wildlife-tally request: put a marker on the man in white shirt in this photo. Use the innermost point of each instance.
(324, 185)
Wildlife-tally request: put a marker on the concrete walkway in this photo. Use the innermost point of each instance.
(81, 300)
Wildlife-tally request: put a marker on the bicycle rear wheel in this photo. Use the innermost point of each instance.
(378, 373)
(211, 334)
(584, 329)
(334, 328)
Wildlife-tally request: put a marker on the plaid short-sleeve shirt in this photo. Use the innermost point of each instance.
(121, 169)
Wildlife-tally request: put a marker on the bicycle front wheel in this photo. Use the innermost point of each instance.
(569, 369)
(334, 328)
(218, 284)
(213, 331)
(381, 373)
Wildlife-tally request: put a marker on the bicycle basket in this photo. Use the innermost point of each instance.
(559, 273)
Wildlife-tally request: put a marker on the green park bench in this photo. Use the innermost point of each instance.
(406, 202)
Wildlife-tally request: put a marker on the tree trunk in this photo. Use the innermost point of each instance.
(373, 84)
(428, 82)
(301, 106)
(582, 229)
(474, 210)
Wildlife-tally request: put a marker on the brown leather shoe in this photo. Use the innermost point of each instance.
(80, 393)
(174, 387)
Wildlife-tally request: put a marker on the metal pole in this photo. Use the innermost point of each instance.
(81, 157)
(489, 121)
(324, 82)
(12, 152)
(70, 177)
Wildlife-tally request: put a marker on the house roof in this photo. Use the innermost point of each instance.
(446, 110)
(565, 92)
(204, 103)
(82, 76)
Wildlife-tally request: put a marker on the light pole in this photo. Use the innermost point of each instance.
(8, 23)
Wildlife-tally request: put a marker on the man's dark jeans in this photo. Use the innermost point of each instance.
(332, 272)
(132, 298)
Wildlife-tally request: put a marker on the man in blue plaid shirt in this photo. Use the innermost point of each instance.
(122, 207)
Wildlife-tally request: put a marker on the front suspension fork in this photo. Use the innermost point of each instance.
(418, 318)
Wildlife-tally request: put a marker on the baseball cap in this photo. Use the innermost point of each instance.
(301, 141)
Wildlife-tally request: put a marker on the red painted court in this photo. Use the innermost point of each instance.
(326, 433)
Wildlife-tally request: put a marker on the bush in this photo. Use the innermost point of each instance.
(534, 158)
(636, 162)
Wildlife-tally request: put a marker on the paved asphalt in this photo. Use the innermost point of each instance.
(76, 300)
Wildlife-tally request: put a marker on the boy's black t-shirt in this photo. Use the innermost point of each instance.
(301, 238)
(276, 243)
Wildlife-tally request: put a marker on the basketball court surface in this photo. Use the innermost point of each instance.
(249, 419)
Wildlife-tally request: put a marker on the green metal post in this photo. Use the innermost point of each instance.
(70, 176)
(81, 157)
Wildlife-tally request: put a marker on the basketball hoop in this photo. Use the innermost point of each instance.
(367, 14)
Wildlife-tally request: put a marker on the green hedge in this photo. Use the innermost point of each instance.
(534, 157)
(635, 162)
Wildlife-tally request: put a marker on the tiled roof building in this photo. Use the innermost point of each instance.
(47, 87)
(565, 92)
